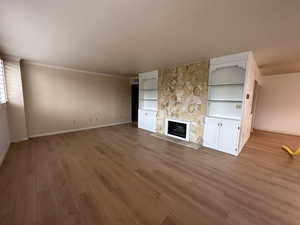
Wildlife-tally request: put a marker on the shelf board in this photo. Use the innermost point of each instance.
(225, 100)
(224, 117)
(149, 89)
(236, 84)
(148, 99)
(148, 109)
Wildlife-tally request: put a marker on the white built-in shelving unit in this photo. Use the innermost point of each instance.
(230, 92)
(225, 90)
(148, 100)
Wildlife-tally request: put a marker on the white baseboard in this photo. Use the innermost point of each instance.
(19, 140)
(278, 132)
(3, 154)
(78, 129)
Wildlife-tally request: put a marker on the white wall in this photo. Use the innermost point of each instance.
(278, 108)
(58, 100)
(4, 132)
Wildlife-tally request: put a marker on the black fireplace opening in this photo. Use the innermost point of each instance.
(177, 129)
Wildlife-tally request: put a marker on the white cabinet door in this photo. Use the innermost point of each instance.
(141, 119)
(229, 136)
(211, 132)
(147, 120)
(153, 118)
(150, 120)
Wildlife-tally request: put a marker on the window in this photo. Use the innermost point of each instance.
(3, 98)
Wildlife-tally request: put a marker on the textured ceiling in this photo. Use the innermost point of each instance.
(131, 36)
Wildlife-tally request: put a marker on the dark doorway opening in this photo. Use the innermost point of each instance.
(134, 103)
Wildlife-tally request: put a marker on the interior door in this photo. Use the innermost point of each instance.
(211, 132)
(229, 136)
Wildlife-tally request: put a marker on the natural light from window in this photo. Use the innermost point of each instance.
(3, 98)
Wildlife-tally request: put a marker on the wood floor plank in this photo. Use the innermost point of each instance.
(124, 176)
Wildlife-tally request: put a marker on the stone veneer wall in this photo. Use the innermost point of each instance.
(182, 95)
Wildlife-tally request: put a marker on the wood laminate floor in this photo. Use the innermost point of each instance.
(123, 176)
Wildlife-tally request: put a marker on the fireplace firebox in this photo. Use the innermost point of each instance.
(177, 129)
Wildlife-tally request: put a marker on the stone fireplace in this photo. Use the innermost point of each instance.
(182, 96)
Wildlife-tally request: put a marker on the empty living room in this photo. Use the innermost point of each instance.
(139, 112)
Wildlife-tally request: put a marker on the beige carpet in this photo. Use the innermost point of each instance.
(177, 141)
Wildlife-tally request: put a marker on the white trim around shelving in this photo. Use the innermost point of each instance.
(243, 56)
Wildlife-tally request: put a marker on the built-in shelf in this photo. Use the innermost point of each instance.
(241, 84)
(149, 109)
(148, 99)
(227, 124)
(148, 89)
(225, 100)
(224, 117)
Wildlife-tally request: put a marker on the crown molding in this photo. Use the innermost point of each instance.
(10, 58)
(74, 70)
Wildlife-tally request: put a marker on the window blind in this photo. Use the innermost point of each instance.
(3, 98)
